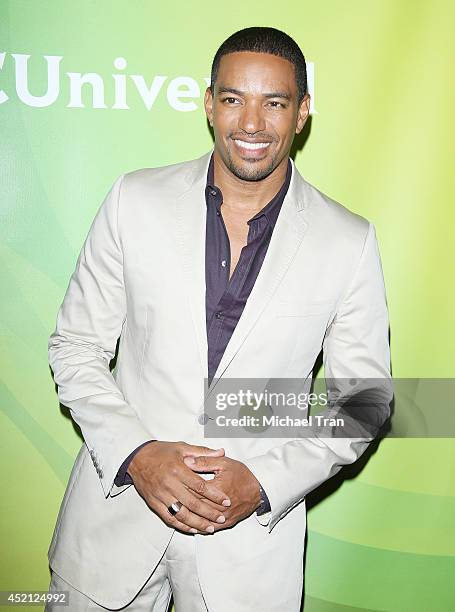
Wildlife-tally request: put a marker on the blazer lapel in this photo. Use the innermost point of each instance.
(191, 223)
(285, 241)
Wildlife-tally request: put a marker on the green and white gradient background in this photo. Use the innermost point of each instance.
(381, 142)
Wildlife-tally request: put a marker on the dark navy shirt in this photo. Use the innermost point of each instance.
(225, 298)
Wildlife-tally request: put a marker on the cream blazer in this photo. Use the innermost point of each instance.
(140, 277)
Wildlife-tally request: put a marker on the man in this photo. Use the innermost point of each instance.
(229, 266)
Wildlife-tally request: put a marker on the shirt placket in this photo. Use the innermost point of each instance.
(225, 320)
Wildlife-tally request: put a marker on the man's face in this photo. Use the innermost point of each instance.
(255, 113)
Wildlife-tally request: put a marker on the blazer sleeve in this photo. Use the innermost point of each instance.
(89, 323)
(355, 348)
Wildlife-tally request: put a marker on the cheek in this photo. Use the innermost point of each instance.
(223, 126)
(283, 128)
(225, 116)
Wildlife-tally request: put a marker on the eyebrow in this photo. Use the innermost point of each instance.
(276, 94)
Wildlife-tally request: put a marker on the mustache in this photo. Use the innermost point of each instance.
(256, 137)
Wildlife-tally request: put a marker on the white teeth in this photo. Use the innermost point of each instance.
(251, 145)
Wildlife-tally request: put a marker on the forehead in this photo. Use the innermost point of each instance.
(256, 72)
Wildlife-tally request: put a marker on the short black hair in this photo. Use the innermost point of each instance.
(264, 40)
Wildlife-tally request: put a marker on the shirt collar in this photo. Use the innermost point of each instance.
(270, 210)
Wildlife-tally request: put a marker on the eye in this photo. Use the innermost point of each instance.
(275, 104)
(230, 100)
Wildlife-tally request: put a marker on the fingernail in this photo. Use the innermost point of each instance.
(226, 502)
(193, 530)
(221, 519)
(210, 529)
(189, 459)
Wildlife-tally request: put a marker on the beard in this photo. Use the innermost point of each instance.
(251, 171)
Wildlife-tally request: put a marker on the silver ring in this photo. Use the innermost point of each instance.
(174, 508)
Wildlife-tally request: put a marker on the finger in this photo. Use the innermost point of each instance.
(198, 506)
(173, 521)
(192, 450)
(204, 464)
(212, 504)
(161, 509)
(219, 507)
(185, 485)
(190, 520)
(184, 519)
(204, 488)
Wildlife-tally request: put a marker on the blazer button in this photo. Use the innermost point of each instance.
(100, 473)
(203, 418)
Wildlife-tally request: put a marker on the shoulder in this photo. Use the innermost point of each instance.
(328, 215)
(154, 191)
(173, 178)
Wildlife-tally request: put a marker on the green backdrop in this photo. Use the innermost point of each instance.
(381, 141)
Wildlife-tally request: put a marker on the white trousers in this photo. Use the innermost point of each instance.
(176, 574)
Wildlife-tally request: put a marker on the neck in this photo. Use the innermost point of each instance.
(247, 196)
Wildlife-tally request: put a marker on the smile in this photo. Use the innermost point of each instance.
(252, 146)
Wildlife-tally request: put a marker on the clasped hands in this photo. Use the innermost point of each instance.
(166, 472)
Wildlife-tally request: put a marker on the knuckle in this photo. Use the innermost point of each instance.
(201, 487)
(196, 521)
(169, 520)
(216, 514)
(192, 504)
(182, 526)
(182, 513)
(215, 495)
(176, 524)
(211, 489)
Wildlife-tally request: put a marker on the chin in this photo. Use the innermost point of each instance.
(250, 174)
(254, 170)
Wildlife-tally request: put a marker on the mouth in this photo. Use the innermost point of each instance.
(255, 149)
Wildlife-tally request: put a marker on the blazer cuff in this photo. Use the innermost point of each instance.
(263, 519)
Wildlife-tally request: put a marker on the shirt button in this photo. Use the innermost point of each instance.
(213, 192)
(218, 315)
(218, 213)
(223, 263)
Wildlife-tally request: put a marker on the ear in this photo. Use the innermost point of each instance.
(303, 113)
(208, 105)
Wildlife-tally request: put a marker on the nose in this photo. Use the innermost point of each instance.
(251, 119)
